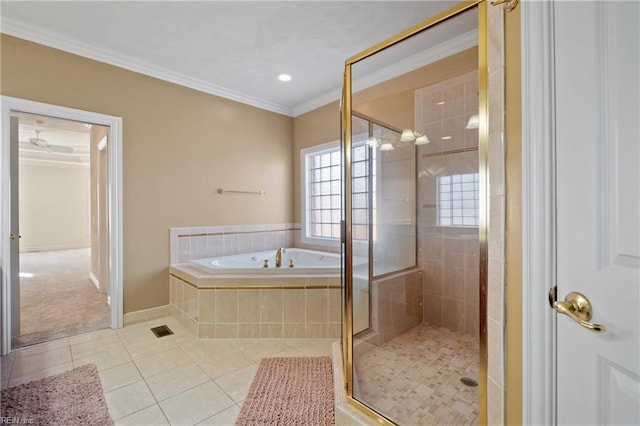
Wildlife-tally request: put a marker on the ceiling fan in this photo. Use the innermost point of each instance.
(43, 145)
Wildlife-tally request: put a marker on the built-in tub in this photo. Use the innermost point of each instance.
(236, 297)
(304, 262)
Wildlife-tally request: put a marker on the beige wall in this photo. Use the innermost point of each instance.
(316, 127)
(54, 206)
(179, 145)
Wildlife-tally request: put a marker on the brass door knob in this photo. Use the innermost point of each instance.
(577, 307)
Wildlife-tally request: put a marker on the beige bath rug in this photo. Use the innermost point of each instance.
(71, 398)
(290, 391)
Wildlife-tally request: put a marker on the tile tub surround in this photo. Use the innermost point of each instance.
(211, 306)
(198, 242)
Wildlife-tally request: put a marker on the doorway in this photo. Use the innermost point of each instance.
(103, 275)
(62, 228)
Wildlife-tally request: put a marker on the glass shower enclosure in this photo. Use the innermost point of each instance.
(414, 144)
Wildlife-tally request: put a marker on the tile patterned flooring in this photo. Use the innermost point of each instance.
(415, 378)
(177, 379)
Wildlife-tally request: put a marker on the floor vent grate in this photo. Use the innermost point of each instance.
(162, 331)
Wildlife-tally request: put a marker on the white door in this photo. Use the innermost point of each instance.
(597, 51)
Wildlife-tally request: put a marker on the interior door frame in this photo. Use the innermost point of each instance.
(114, 196)
(538, 214)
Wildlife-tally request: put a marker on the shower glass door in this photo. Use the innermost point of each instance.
(413, 225)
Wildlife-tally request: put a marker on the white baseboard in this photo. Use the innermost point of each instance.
(94, 280)
(146, 315)
(55, 247)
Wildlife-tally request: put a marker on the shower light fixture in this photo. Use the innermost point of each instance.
(284, 77)
(407, 136)
(422, 140)
(474, 122)
(386, 147)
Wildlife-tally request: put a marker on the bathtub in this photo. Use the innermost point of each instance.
(236, 297)
(304, 262)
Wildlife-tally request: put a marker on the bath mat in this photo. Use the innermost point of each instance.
(71, 398)
(290, 391)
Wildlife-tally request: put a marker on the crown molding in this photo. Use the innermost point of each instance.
(57, 41)
(457, 44)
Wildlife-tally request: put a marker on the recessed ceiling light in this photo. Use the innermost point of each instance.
(445, 138)
(284, 77)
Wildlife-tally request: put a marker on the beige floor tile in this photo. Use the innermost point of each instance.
(164, 361)
(86, 349)
(176, 380)
(105, 360)
(40, 361)
(225, 418)
(40, 374)
(205, 348)
(310, 347)
(5, 366)
(196, 404)
(129, 399)
(43, 347)
(237, 384)
(150, 416)
(256, 349)
(120, 376)
(139, 350)
(219, 364)
(94, 336)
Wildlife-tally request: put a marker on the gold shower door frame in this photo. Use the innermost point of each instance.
(483, 144)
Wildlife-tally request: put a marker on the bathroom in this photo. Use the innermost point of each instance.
(198, 163)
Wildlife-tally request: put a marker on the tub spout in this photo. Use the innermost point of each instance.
(279, 257)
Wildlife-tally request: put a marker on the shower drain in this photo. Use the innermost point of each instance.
(469, 382)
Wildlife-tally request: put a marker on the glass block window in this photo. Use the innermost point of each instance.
(322, 194)
(458, 199)
(360, 191)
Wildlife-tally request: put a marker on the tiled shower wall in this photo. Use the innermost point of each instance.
(448, 255)
(496, 279)
(189, 243)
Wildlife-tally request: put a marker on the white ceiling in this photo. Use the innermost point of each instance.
(234, 49)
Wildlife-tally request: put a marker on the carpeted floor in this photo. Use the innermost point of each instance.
(71, 398)
(290, 391)
(59, 300)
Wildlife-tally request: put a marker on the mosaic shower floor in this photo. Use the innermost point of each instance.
(414, 379)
